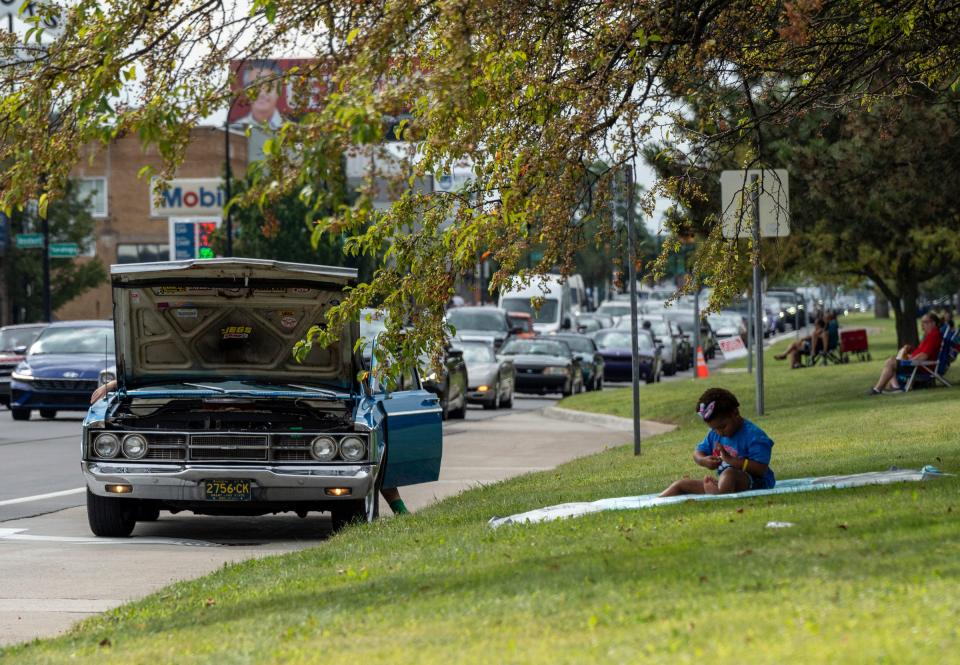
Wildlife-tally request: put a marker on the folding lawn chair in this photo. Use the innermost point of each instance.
(921, 373)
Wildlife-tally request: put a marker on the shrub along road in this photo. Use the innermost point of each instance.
(866, 575)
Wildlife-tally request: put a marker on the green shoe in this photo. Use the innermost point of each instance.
(398, 507)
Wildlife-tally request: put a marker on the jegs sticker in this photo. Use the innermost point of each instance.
(236, 332)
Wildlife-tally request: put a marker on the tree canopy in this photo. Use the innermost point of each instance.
(529, 93)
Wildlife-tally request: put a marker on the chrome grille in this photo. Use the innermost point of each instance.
(166, 453)
(247, 447)
(78, 385)
(292, 448)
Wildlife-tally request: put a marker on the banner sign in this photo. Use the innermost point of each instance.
(188, 197)
(276, 100)
(732, 347)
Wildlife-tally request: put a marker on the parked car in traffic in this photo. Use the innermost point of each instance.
(591, 362)
(585, 324)
(544, 365)
(616, 350)
(664, 336)
(481, 323)
(213, 415)
(14, 342)
(615, 309)
(555, 311)
(728, 324)
(685, 319)
(61, 368)
(491, 378)
(449, 381)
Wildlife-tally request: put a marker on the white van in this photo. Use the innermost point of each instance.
(579, 303)
(555, 313)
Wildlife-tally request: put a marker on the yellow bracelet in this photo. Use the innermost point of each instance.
(745, 462)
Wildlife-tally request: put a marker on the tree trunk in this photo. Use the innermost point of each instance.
(881, 307)
(906, 313)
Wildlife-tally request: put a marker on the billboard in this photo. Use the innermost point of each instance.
(276, 100)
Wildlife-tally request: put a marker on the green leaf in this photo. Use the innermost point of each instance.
(352, 35)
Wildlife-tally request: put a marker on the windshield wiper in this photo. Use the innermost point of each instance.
(322, 391)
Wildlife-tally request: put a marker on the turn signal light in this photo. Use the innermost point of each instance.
(119, 489)
(337, 491)
(483, 389)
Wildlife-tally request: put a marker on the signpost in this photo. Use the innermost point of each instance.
(192, 238)
(756, 203)
(634, 343)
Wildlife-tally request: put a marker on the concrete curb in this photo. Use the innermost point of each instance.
(647, 427)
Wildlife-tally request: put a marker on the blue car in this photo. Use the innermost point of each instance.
(211, 413)
(61, 369)
(615, 349)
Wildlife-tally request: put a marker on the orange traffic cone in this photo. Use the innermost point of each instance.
(702, 371)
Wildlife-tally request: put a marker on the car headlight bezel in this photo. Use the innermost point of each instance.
(556, 370)
(134, 454)
(324, 456)
(25, 374)
(353, 448)
(104, 438)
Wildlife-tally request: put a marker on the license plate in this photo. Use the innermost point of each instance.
(226, 490)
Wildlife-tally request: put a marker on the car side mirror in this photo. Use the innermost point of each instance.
(455, 353)
(20, 350)
(567, 323)
(516, 330)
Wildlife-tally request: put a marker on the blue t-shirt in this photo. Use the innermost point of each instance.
(751, 442)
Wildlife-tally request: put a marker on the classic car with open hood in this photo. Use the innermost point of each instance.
(213, 414)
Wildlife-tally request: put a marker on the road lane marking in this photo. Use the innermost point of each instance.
(41, 497)
(18, 535)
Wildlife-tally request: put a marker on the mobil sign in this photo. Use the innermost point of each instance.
(187, 197)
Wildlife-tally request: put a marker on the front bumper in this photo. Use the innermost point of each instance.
(25, 396)
(622, 369)
(269, 483)
(540, 383)
(475, 396)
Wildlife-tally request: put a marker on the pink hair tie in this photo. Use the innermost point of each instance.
(706, 410)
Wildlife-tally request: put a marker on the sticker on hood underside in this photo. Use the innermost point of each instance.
(236, 332)
(288, 320)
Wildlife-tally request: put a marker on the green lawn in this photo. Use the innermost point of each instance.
(867, 575)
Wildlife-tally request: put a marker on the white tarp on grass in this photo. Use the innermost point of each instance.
(894, 475)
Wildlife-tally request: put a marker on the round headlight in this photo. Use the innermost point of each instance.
(323, 448)
(134, 446)
(106, 445)
(352, 448)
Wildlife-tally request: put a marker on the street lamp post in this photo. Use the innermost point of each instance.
(228, 221)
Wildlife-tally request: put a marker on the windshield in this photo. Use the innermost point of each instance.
(616, 339)
(549, 308)
(582, 344)
(14, 338)
(82, 339)
(521, 322)
(535, 347)
(467, 320)
(718, 321)
(478, 353)
(615, 308)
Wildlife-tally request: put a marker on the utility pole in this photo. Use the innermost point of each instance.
(634, 345)
(45, 225)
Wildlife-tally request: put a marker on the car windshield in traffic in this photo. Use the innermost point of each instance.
(546, 314)
(535, 347)
(582, 344)
(616, 339)
(14, 338)
(475, 352)
(614, 309)
(466, 320)
(82, 339)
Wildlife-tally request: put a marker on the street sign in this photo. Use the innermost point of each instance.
(64, 250)
(28, 240)
(773, 202)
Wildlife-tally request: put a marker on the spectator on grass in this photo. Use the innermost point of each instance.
(829, 337)
(803, 347)
(928, 349)
(735, 448)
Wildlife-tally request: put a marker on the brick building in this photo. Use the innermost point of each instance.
(130, 227)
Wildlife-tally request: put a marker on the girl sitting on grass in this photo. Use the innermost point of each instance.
(735, 448)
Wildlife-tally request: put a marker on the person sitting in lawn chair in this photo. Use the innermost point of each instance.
(928, 349)
(735, 448)
(825, 346)
(803, 347)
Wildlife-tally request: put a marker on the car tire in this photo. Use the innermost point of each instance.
(598, 383)
(568, 389)
(352, 510)
(48, 414)
(148, 511)
(111, 518)
(461, 412)
(20, 414)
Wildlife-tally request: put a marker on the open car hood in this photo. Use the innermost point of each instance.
(228, 319)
